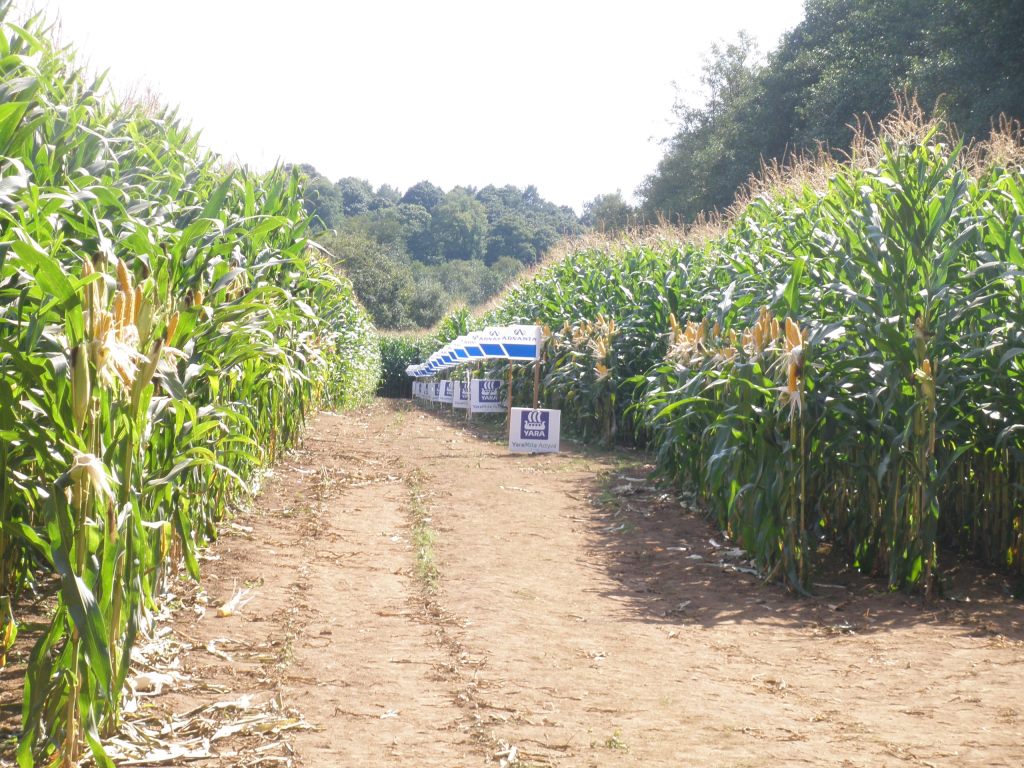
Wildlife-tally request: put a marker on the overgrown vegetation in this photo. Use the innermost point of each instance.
(164, 329)
(840, 369)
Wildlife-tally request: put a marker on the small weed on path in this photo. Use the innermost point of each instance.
(423, 535)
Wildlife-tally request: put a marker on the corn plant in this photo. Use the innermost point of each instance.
(164, 330)
(580, 379)
(839, 369)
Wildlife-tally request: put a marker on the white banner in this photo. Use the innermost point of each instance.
(461, 399)
(534, 431)
(485, 396)
(447, 391)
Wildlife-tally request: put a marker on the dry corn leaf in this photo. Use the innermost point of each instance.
(239, 600)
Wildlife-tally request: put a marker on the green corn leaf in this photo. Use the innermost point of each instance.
(84, 611)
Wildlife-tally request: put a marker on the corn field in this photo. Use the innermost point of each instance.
(842, 370)
(164, 329)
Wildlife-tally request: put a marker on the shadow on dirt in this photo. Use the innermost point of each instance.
(673, 566)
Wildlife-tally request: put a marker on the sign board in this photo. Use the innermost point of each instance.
(508, 342)
(485, 396)
(512, 342)
(447, 391)
(461, 399)
(472, 347)
(534, 430)
(522, 342)
(435, 394)
(489, 341)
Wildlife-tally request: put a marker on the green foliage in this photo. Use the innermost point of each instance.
(609, 213)
(413, 256)
(522, 225)
(424, 194)
(428, 303)
(843, 60)
(382, 280)
(398, 351)
(705, 162)
(164, 329)
(840, 370)
(459, 226)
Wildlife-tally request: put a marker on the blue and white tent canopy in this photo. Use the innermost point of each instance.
(509, 342)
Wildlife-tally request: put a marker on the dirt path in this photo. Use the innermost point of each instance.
(579, 618)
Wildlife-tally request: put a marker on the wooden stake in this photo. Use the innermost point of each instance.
(536, 384)
(510, 393)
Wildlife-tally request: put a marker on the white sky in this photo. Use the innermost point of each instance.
(569, 96)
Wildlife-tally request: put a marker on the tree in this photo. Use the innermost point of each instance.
(382, 282)
(465, 281)
(322, 202)
(459, 226)
(386, 197)
(522, 224)
(416, 224)
(503, 272)
(356, 195)
(608, 213)
(429, 302)
(704, 164)
(844, 59)
(404, 250)
(510, 236)
(424, 194)
(320, 198)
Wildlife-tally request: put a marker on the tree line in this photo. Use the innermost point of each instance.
(412, 254)
(961, 59)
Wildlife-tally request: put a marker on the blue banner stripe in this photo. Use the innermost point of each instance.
(521, 351)
(492, 350)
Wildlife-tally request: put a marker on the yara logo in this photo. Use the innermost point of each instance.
(490, 391)
(534, 425)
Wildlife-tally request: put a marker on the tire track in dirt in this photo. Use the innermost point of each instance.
(580, 619)
(337, 604)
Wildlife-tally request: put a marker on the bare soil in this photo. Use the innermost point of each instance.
(418, 596)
